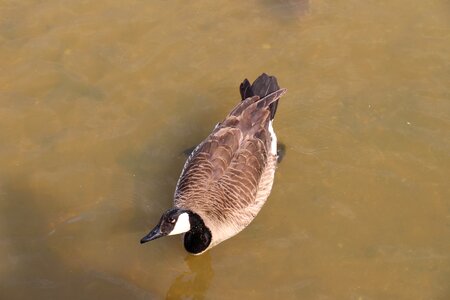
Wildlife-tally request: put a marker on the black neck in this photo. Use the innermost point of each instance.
(199, 237)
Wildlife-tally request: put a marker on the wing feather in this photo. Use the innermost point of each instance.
(223, 173)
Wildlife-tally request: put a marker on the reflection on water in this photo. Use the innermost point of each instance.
(286, 9)
(99, 99)
(194, 283)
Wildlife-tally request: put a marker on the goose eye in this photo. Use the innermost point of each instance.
(171, 220)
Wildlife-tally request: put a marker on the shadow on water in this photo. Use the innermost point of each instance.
(194, 283)
(30, 265)
(157, 164)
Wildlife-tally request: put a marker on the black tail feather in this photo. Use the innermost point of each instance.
(246, 90)
(262, 86)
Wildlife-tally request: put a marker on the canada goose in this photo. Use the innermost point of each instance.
(228, 177)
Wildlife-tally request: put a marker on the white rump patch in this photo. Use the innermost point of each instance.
(273, 145)
(182, 225)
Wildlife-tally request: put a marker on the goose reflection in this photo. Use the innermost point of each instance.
(194, 283)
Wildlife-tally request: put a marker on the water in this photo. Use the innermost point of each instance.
(99, 99)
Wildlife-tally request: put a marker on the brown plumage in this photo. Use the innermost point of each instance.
(228, 177)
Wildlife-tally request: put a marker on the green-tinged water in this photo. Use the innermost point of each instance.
(99, 99)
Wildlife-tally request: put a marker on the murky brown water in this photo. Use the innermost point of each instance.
(98, 100)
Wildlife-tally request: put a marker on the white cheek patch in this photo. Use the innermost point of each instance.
(182, 225)
(273, 145)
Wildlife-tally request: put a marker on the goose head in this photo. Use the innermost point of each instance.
(174, 221)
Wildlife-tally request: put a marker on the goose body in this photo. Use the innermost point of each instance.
(228, 177)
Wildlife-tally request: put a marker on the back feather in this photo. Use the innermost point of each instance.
(228, 176)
